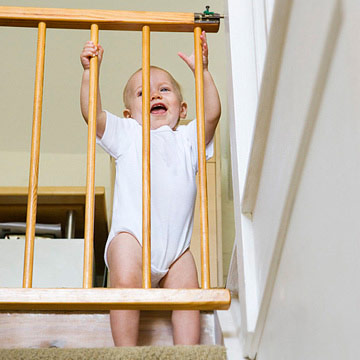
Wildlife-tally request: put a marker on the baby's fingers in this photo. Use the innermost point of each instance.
(90, 50)
(203, 36)
(205, 49)
(184, 57)
(204, 43)
(100, 52)
(189, 60)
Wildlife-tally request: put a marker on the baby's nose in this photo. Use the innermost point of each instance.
(155, 95)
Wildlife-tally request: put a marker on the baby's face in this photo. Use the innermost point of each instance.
(166, 107)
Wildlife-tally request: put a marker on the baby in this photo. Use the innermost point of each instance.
(173, 188)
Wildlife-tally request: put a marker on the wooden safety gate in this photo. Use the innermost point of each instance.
(88, 298)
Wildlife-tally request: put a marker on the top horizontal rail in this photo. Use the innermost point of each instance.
(105, 19)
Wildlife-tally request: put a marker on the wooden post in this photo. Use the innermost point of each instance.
(34, 160)
(90, 177)
(200, 115)
(146, 212)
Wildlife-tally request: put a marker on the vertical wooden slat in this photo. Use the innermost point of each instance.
(200, 115)
(146, 232)
(90, 177)
(34, 160)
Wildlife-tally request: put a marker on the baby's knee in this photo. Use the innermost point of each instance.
(125, 279)
(125, 262)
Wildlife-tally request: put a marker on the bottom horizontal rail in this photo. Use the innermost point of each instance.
(109, 298)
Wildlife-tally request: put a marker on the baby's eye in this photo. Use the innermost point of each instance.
(164, 89)
(139, 93)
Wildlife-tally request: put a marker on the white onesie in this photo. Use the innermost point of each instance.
(174, 164)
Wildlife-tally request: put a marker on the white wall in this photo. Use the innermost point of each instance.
(313, 312)
(302, 199)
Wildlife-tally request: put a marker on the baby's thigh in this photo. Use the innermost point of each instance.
(182, 273)
(124, 257)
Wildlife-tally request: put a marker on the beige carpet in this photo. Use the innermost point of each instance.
(206, 352)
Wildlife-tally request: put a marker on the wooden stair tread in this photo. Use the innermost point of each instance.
(90, 329)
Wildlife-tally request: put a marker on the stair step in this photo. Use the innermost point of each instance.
(179, 352)
(91, 329)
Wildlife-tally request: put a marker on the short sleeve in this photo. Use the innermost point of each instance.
(190, 132)
(117, 135)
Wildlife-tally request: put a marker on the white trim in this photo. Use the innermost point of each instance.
(248, 158)
(230, 325)
(265, 104)
(242, 100)
(269, 9)
(247, 39)
(322, 54)
(260, 38)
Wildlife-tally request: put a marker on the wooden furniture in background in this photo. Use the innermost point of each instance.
(53, 203)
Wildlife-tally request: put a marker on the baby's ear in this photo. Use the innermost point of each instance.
(183, 110)
(127, 113)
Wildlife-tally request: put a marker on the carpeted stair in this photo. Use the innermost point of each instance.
(179, 352)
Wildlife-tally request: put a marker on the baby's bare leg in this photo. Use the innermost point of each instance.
(125, 258)
(186, 323)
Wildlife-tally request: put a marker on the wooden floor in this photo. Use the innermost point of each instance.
(90, 329)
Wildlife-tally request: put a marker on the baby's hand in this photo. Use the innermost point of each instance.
(190, 60)
(89, 51)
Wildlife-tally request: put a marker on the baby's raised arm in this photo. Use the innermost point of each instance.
(212, 103)
(89, 51)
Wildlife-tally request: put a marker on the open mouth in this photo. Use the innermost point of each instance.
(158, 108)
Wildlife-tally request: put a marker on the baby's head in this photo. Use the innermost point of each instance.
(166, 103)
